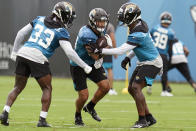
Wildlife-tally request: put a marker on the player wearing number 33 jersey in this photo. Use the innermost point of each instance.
(46, 34)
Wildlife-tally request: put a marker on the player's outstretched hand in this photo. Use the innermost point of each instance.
(87, 69)
(13, 56)
(125, 62)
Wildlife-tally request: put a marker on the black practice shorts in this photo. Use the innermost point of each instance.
(107, 59)
(79, 76)
(25, 67)
(145, 73)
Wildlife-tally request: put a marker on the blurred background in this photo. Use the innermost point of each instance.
(17, 13)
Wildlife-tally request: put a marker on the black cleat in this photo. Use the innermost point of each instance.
(4, 118)
(42, 123)
(78, 121)
(151, 120)
(140, 124)
(92, 112)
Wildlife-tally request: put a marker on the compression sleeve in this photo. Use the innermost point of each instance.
(22, 33)
(119, 50)
(71, 54)
(131, 54)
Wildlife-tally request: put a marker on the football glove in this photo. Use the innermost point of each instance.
(13, 56)
(87, 69)
(98, 63)
(125, 62)
(109, 40)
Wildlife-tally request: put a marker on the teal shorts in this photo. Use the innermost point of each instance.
(107, 65)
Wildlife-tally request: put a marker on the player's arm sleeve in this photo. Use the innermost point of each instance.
(71, 54)
(118, 51)
(22, 33)
(131, 54)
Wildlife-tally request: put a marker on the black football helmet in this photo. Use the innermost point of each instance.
(128, 13)
(98, 14)
(166, 18)
(65, 12)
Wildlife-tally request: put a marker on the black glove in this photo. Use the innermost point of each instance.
(124, 63)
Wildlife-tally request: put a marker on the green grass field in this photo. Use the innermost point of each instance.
(118, 113)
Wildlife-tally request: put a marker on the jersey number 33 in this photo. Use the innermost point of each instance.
(42, 36)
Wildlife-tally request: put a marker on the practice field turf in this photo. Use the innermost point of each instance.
(118, 113)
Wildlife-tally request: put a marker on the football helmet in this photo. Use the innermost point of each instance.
(128, 13)
(166, 18)
(97, 15)
(65, 12)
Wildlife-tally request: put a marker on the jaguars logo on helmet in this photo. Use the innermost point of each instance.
(98, 14)
(128, 13)
(65, 12)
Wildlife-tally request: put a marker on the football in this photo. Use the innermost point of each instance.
(102, 42)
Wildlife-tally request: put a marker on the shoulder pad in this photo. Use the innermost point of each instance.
(87, 35)
(63, 33)
(136, 37)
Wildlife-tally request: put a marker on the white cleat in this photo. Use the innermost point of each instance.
(149, 90)
(166, 93)
(112, 92)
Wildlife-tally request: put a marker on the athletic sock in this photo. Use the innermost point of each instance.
(6, 108)
(77, 114)
(141, 118)
(91, 105)
(148, 116)
(43, 114)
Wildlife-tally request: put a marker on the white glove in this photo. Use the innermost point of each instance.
(13, 56)
(109, 40)
(98, 63)
(87, 69)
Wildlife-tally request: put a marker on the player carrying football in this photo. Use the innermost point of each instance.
(87, 36)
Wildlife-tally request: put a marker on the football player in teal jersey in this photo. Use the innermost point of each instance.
(89, 35)
(163, 35)
(47, 34)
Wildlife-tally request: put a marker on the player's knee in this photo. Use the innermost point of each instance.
(48, 88)
(83, 97)
(133, 89)
(106, 88)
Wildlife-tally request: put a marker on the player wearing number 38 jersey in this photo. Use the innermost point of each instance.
(47, 33)
(163, 36)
